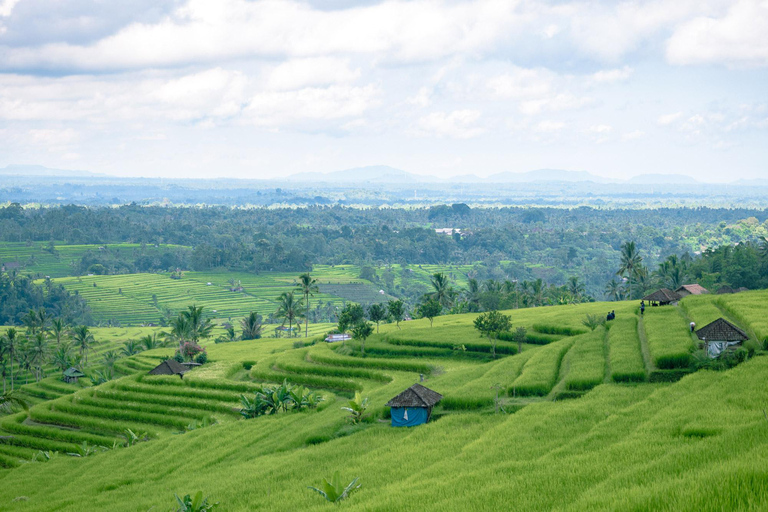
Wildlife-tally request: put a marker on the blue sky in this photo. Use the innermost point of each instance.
(261, 89)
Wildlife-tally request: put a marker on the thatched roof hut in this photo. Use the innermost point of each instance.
(725, 289)
(71, 375)
(720, 335)
(169, 367)
(691, 289)
(662, 297)
(413, 406)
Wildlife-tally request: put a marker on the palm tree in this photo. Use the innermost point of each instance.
(308, 287)
(199, 327)
(613, 290)
(58, 328)
(9, 399)
(37, 351)
(110, 357)
(472, 296)
(180, 330)
(11, 342)
(576, 288)
(62, 357)
(150, 341)
(537, 292)
(43, 319)
(630, 262)
(443, 293)
(83, 340)
(30, 322)
(289, 309)
(251, 326)
(130, 347)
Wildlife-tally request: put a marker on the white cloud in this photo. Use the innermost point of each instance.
(549, 126)
(637, 134)
(668, 119)
(521, 83)
(740, 38)
(601, 128)
(300, 73)
(422, 99)
(557, 103)
(459, 124)
(611, 75)
(6, 7)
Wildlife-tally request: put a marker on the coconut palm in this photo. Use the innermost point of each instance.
(289, 309)
(37, 353)
(58, 328)
(150, 341)
(9, 399)
(180, 330)
(11, 341)
(199, 326)
(472, 296)
(251, 326)
(630, 263)
(131, 347)
(613, 290)
(308, 286)
(83, 339)
(30, 322)
(62, 357)
(110, 357)
(443, 292)
(576, 288)
(43, 320)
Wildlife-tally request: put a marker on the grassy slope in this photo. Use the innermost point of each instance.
(698, 444)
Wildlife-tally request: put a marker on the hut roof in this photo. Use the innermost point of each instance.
(168, 367)
(415, 396)
(741, 289)
(724, 289)
(662, 295)
(693, 289)
(721, 330)
(73, 372)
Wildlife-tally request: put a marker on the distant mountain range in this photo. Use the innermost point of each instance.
(383, 174)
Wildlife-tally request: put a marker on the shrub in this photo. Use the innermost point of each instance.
(196, 504)
(334, 491)
(202, 357)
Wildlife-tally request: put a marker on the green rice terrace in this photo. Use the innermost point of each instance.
(607, 419)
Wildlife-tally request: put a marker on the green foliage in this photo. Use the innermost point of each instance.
(669, 338)
(429, 309)
(624, 351)
(270, 400)
(350, 316)
(396, 311)
(586, 362)
(356, 408)
(334, 491)
(196, 504)
(491, 324)
(592, 321)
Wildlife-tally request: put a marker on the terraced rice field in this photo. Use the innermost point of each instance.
(696, 444)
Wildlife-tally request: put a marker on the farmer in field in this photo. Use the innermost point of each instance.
(642, 307)
(693, 326)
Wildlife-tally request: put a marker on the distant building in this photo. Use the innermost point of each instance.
(720, 336)
(9, 265)
(169, 367)
(413, 406)
(725, 289)
(71, 375)
(662, 297)
(691, 289)
(337, 337)
(447, 231)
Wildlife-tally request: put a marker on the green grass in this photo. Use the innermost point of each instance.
(697, 444)
(669, 337)
(625, 354)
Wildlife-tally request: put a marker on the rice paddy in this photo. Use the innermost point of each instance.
(625, 444)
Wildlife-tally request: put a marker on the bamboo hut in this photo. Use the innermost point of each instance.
(413, 406)
(720, 336)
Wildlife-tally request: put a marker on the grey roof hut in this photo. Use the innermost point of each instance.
(691, 289)
(662, 297)
(71, 375)
(413, 406)
(169, 367)
(720, 335)
(724, 289)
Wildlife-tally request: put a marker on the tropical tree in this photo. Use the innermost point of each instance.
(83, 339)
(58, 329)
(356, 408)
(30, 322)
(360, 332)
(472, 296)
(131, 347)
(43, 320)
(251, 326)
(308, 286)
(289, 309)
(538, 289)
(576, 288)
(429, 309)
(519, 336)
(613, 290)
(442, 291)
(151, 341)
(62, 357)
(109, 358)
(334, 491)
(180, 330)
(9, 399)
(396, 310)
(630, 263)
(37, 350)
(377, 313)
(351, 315)
(11, 341)
(491, 324)
(199, 326)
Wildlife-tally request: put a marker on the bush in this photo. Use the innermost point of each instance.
(202, 357)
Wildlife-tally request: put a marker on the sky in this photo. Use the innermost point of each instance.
(263, 89)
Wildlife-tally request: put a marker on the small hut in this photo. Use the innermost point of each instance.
(169, 367)
(741, 289)
(720, 335)
(71, 375)
(332, 338)
(691, 289)
(662, 297)
(413, 406)
(724, 289)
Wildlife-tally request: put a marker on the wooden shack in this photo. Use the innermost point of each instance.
(71, 375)
(169, 367)
(662, 297)
(720, 336)
(691, 289)
(413, 406)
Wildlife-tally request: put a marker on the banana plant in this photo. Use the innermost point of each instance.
(196, 504)
(357, 408)
(333, 491)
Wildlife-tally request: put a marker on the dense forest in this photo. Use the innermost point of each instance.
(511, 243)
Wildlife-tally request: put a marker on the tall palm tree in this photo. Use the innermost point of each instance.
(251, 326)
(30, 322)
(630, 263)
(576, 288)
(43, 320)
(150, 341)
(58, 328)
(199, 326)
(472, 296)
(131, 347)
(83, 339)
(11, 342)
(537, 292)
(308, 287)
(443, 293)
(37, 350)
(180, 330)
(613, 290)
(9, 399)
(62, 357)
(110, 357)
(289, 309)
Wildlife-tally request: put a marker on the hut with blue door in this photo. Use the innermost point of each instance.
(413, 406)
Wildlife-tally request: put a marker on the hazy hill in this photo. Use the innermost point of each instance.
(368, 174)
(662, 179)
(40, 170)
